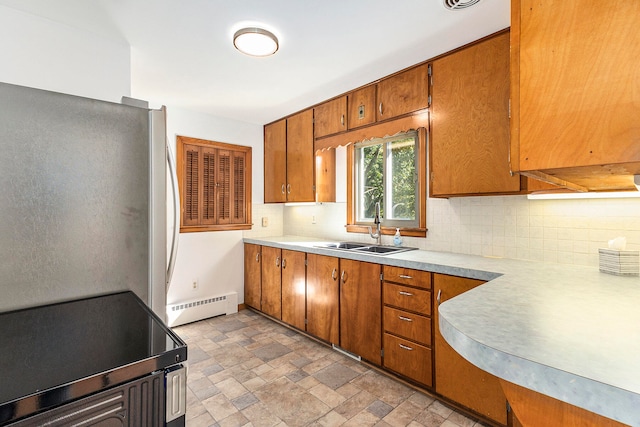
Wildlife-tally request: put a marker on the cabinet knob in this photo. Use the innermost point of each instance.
(277, 261)
(438, 297)
(334, 274)
(288, 188)
(404, 276)
(380, 108)
(343, 277)
(258, 257)
(405, 347)
(406, 294)
(282, 188)
(406, 319)
(284, 263)
(342, 120)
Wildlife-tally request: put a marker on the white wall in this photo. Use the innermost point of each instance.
(214, 259)
(41, 53)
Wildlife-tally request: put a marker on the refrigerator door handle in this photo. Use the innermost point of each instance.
(176, 214)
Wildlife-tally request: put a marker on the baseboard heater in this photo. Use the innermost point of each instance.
(201, 308)
(346, 353)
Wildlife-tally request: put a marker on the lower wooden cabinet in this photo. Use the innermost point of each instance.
(456, 378)
(408, 358)
(360, 305)
(252, 276)
(271, 299)
(293, 288)
(323, 297)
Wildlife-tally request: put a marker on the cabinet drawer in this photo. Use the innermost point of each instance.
(407, 276)
(407, 298)
(407, 325)
(408, 358)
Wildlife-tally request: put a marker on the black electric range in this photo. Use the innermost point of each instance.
(58, 353)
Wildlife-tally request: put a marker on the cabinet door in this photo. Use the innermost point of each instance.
(456, 378)
(469, 138)
(300, 158)
(403, 93)
(573, 102)
(326, 175)
(360, 309)
(330, 117)
(252, 276)
(293, 288)
(271, 282)
(361, 107)
(322, 297)
(275, 162)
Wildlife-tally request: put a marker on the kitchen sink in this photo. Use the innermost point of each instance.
(364, 248)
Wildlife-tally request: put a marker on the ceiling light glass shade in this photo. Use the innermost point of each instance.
(255, 41)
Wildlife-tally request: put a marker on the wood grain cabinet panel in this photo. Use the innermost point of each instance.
(360, 309)
(271, 282)
(275, 162)
(300, 158)
(361, 107)
(574, 112)
(407, 298)
(403, 93)
(293, 288)
(456, 378)
(407, 325)
(407, 276)
(408, 358)
(330, 117)
(469, 138)
(252, 276)
(323, 297)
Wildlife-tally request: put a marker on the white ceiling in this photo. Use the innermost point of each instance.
(182, 53)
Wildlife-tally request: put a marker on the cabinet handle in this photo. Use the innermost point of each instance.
(342, 120)
(405, 347)
(406, 319)
(438, 298)
(343, 277)
(334, 276)
(277, 261)
(282, 188)
(258, 257)
(284, 263)
(288, 188)
(406, 294)
(404, 276)
(380, 108)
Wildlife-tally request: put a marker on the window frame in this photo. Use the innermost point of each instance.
(226, 223)
(354, 226)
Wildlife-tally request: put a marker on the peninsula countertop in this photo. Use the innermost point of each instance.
(569, 332)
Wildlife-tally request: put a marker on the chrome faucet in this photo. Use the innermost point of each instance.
(376, 221)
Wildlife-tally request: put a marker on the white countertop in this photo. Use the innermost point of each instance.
(571, 333)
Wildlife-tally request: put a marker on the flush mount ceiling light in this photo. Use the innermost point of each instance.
(459, 4)
(255, 41)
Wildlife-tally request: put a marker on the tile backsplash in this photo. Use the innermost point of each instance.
(560, 231)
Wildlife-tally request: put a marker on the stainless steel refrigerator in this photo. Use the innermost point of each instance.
(82, 199)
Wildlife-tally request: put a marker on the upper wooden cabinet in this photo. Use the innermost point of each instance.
(289, 159)
(361, 107)
(469, 139)
(575, 104)
(403, 92)
(330, 117)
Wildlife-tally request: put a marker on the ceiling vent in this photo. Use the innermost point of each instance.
(459, 4)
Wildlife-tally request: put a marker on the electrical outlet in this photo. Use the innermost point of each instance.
(194, 284)
(313, 219)
(265, 221)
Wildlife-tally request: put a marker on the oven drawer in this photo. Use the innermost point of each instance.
(408, 358)
(407, 298)
(407, 325)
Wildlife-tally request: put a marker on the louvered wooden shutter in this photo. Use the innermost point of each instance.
(191, 194)
(239, 191)
(224, 187)
(209, 186)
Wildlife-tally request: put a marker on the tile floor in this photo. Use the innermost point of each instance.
(246, 370)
